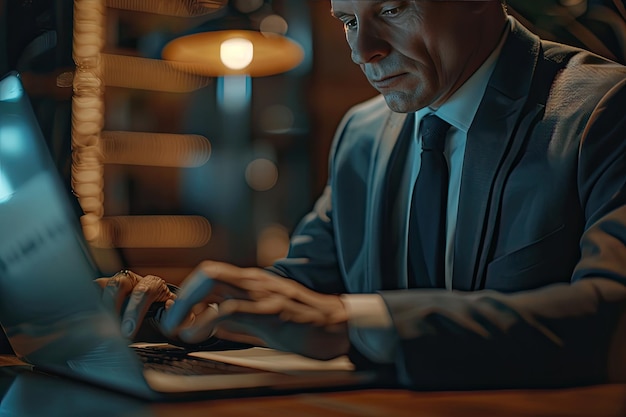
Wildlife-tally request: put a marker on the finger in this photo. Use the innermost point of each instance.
(285, 309)
(118, 288)
(330, 306)
(102, 282)
(191, 317)
(294, 290)
(202, 327)
(195, 288)
(236, 282)
(148, 290)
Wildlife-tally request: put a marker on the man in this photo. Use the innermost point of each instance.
(532, 289)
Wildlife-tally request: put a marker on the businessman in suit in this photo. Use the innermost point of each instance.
(530, 285)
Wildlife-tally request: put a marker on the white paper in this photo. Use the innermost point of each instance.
(275, 360)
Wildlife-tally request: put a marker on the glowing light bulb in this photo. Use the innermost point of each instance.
(236, 53)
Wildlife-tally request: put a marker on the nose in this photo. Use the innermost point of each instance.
(367, 46)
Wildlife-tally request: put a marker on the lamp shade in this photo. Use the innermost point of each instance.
(255, 53)
(182, 8)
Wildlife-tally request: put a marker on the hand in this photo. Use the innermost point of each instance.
(259, 308)
(131, 296)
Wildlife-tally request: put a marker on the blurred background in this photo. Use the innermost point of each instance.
(261, 141)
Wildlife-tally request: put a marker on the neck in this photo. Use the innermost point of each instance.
(490, 37)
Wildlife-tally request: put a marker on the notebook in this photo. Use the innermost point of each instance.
(52, 312)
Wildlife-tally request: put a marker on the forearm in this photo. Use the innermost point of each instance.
(554, 336)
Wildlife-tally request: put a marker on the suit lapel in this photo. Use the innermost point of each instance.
(378, 272)
(499, 126)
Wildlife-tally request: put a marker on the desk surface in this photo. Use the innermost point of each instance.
(28, 394)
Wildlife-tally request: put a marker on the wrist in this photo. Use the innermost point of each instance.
(335, 310)
(366, 311)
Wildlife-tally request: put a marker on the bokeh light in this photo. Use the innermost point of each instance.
(262, 174)
(273, 24)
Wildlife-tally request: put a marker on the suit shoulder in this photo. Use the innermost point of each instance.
(584, 68)
(583, 80)
(360, 128)
(365, 111)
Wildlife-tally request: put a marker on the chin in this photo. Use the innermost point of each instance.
(399, 104)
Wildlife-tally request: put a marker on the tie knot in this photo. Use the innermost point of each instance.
(434, 131)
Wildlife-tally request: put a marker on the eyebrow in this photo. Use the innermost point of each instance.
(337, 14)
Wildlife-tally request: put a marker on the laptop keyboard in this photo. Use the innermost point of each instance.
(177, 362)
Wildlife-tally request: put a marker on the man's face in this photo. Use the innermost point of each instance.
(414, 52)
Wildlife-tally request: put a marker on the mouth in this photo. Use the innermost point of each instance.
(386, 82)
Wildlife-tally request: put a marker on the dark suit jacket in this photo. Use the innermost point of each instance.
(540, 249)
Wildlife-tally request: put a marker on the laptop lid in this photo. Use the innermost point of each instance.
(50, 308)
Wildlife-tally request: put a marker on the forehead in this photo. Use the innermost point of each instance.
(348, 5)
(359, 4)
(351, 4)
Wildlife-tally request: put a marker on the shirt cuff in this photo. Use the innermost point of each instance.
(366, 311)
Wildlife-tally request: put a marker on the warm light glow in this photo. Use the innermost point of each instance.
(272, 244)
(154, 149)
(236, 53)
(92, 147)
(262, 174)
(200, 53)
(150, 74)
(147, 231)
(182, 8)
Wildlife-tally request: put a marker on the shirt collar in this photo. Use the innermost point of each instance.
(459, 110)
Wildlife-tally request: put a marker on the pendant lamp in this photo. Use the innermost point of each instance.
(238, 43)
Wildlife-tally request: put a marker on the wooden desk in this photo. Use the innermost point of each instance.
(28, 394)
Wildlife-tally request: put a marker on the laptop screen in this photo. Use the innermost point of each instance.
(40, 232)
(20, 155)
(50, 308)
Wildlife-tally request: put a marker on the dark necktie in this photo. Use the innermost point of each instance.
(427, 224)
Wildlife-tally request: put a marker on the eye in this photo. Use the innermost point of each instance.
(390, 12)
(349, 24)
(392, 9)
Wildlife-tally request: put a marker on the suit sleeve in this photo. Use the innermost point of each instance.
(312, 259)
(556, 336)
(563, 334)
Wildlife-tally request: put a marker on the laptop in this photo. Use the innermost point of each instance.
(52, 312)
